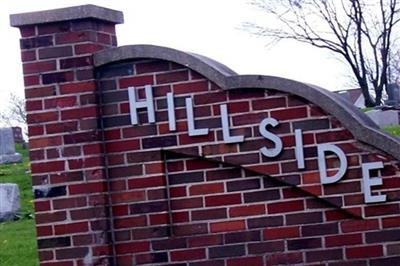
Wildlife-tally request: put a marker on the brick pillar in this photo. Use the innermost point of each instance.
(68, 169)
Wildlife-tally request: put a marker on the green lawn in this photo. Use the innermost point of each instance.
(393, 130)
(18, 239)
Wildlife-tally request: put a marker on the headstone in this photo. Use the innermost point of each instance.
(384, 117)
(7, 147)
(9, 201)
(393, 92)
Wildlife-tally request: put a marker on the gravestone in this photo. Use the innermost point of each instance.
(7, 147)
(384, 117)
(9, 201)
(393, 92)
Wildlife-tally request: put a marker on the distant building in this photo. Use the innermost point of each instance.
(17, 132)
(354, 96)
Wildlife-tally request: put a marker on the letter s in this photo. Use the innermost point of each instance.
(270, 136)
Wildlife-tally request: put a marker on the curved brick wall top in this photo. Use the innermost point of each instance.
(355, 121)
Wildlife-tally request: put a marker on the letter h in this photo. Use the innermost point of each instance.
(134, 104)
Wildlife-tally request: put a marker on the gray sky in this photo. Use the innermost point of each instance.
(206, 27)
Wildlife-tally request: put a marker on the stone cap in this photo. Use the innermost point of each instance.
(68, 13)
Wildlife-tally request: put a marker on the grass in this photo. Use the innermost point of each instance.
(393, 130)
(17, 238)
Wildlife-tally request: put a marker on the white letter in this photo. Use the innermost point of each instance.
(134, 105)
(171, 111)
(225, 127)
(190, 120)
(322, 148)
(368, 182)
(272, 137)
(299, 149)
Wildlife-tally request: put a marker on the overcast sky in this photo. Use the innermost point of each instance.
(206, 27)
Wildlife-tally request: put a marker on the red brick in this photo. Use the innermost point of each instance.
(75, 37)
(70, 203)
(41, 206)
(42, 117)
(180, 217)
(71, 228)
(250, 261)
(189, 203)
(248, 210)
(266, 169)
(61, 127)
(281, 233)
(39, 67)
(171, 77)
(153, 66)
(132, 247)
(208, 240)
(40, 92)
(204, 189)
(78, 87)
(87, 188)
(50, 217)
(27, 31)
(54, 166)
(45, 142)
(87, 48)
(132, 221)
(147, 182)
(79, 113)
(269, 103)
(288, 206)
(33, 105)
(156, 219)
(128, 196)
(378, 210)
(223, 200)
(154, 168)
(343, 240)
(45, 230)
(61, 102)
(227, 226)
(27, 56)
(137, 81)
(390, 222)
(289, 113)
(31, 80)
(188, 254)
(119, 146)
(190, 87)
(364, 252)
(185, 139)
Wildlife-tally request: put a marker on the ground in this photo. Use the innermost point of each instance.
(18, 238)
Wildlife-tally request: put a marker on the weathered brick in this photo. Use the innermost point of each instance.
(364, 252)
(55, 52)
(209, 214)
(36, 42)
(281, 233)
(304, 243)
(324, 255)
(171, 77)
(227, 226)
(266, 247)
(227, 251)
(57, 77)
(54, 242)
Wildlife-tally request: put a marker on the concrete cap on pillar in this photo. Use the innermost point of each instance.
(65, 14)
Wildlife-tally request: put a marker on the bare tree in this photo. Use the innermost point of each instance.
(360, 32)
(15, 113)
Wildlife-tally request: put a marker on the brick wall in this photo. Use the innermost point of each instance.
(185, 200)
(64, 139)
(112, 193)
